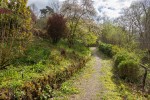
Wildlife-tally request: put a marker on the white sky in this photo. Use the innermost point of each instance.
(111, 8)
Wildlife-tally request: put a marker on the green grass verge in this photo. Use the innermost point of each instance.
(69, 87)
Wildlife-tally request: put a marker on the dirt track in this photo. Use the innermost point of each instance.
(90, 86)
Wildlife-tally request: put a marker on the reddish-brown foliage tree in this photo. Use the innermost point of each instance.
(56, 27)
(5, 11)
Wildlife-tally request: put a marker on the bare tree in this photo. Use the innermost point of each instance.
(75, 11)
(34, 9)
(55, 5)
(127, 22)
(145, 5)
(137, 21)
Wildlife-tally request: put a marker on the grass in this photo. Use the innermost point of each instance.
(114, 88)
(70, 87)
(40, 59)
(16, 75)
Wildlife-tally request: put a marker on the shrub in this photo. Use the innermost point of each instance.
(56, 27)
(129, 70)
(119, 57)
(15, 27)
(106, 49)
(115, 50)
(125, 55)
(126, 64)
(109, 49)
(33, 55)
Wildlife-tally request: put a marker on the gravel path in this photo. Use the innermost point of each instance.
(89, 86)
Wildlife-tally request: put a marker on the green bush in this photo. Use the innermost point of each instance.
(106, 49)
(129, 70)
(126, 64)
(15, 30)
(124, 55)
(115, 50)
(119, 57)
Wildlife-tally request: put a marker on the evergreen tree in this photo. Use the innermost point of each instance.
(15, 29)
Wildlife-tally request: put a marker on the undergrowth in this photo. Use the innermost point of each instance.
(69, 87)
(113, 88)
(42, 61)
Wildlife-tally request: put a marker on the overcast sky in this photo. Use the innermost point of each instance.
(111, 8)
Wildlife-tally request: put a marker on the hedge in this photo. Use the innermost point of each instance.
(126, 64)
(106, 49)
